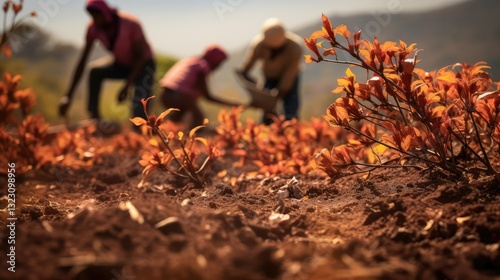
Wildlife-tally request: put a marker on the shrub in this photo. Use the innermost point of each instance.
(447, 118)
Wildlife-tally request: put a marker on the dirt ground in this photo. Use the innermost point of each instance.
(397, 224)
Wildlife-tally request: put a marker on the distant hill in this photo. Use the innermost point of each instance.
(466, 32)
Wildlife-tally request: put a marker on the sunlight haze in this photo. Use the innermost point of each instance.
(183, 28)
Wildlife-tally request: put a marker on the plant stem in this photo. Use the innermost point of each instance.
(165, 142)
(388, 146)
(486, 158)
(191, 169)
(468, 147)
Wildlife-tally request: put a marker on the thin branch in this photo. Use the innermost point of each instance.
(467, 146)
(165, 142)
(486, 159)
(389, 146)
(342, 62)
(375, 166)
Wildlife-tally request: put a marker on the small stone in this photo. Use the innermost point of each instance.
(283, 193)
(49, 210)
(171, 192)
(248, 237)
(186, 202)
(224, 189)
(212, 205)
(170, 225)
(98, 187)
(296, 192)
(249, 213)
(299, 232)
(402, 235)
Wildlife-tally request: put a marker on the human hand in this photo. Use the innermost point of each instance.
(123, 94)
(274, 92)
(64, 106)
(245, 76)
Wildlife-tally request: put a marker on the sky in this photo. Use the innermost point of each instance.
(184, 27)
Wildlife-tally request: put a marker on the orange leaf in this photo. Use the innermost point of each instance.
(222, 174)
(17, 7)
(327, 25)
(311, 45)
(202, 140)
(153, 142)
(318, 34)
(354, 142)
(145, 101)
(310, 59)
(6, 50)
(193, 131)
(349, 73)
(330, 51)
(138, 121)
(165, 113)
(240, 153)
(343, 82)
(447, 76)
(338, 90)
(342, 29)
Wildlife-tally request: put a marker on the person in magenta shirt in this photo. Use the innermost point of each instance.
(186, 82)
(122, 34)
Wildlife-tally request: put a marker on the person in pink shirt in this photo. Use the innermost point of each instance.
(122, 34)
(186, 82)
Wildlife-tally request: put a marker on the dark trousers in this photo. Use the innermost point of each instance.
(291, 102)
(116, 71)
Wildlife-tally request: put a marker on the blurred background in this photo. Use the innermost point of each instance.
(45, 53)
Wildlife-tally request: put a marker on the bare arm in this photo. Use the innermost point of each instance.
(79, 69)
(251, 58)
(139, 58)
(289, 76)
(66, 100)
(202, 80)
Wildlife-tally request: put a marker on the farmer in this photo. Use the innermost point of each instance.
(186, 82)
(122, 34)
(281, 54)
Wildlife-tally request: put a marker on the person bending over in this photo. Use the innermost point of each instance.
(122, 34)
(280, 52)
(186, 82)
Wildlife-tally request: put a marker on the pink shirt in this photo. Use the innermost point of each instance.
(185, 76)
(130, 31)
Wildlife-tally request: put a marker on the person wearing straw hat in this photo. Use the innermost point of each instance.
(122, 34)
(280, 52)
(187, 81)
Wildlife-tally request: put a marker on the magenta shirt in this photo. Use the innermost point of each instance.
(184, 76)
(130, 30)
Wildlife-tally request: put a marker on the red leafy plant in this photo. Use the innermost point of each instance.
(13, 8)
(26, 139)
(284, 147)
(13, 100)
(32, 147)
(180, 154)
(447, 118)
(10, 97)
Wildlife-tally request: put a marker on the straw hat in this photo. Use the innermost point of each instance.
(274, 33)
